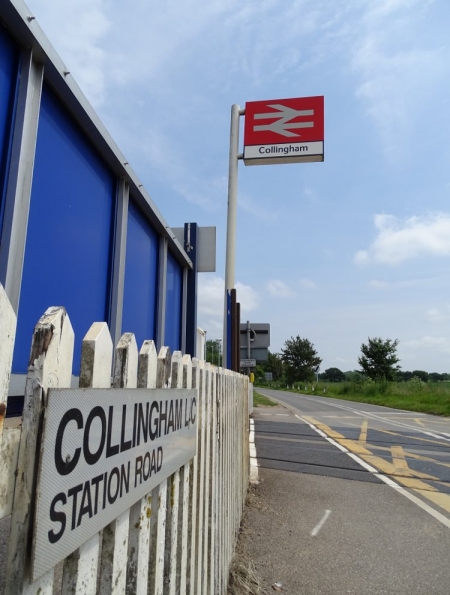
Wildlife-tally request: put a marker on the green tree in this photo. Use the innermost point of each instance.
(274, 364)
(300, 359)
(333, 375)
(421, 374)
(214, 352)
(435, 377)
(379, 358)
(404, 376)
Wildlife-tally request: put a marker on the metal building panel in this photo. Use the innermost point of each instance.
(9, 63)
(69, 239)
(141, 277)
(174, 285)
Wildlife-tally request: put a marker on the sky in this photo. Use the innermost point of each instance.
(355, 247)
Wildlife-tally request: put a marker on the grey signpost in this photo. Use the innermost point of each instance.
(276, 131)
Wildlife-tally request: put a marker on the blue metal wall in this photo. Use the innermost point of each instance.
(9, 62)
(70, 228)
(141, 277)
(174, 290)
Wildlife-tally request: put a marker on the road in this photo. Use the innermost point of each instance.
(409, 451)
(352, 499)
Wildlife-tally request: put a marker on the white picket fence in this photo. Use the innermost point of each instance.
(178, 539)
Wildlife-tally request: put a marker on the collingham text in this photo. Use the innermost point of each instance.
(150, 420)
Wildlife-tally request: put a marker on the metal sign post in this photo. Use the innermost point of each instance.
(276, 131)
(230, 257)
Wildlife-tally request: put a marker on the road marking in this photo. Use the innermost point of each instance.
(282, 414)
(425, 490)
(399, 458)
(427, 440)
(433, 496)
(376, 417)
(318, 527)
(363, 435)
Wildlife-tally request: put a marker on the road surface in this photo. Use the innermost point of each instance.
(352, 499)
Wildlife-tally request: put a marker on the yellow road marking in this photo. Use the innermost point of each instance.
(363, 435)
(398, 458)
(400, 467)
(419, 421)
(412, 455)
(442, 500)
(375, 461)
(429, 440)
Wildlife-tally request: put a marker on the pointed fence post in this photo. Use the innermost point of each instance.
(113, 569)
(80, 568)
(159, 496)
(185, 497)
(50, 367)
(193, 487)
(141, 512)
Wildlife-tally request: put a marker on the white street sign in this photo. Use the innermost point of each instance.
(102, 451)
(259, 154)
(248, 363)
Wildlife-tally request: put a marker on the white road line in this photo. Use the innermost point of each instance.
(387, 480)
(282, 414)
(318, 527)
(374, 416)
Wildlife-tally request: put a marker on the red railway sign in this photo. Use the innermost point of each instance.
(284, 131)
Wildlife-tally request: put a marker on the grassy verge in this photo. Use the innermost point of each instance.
(261, 400)
(412, 396)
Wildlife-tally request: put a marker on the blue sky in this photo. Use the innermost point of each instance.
(338, 251)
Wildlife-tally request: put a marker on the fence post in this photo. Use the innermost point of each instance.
(80, 568)
(193, 487)
(113, 570)
(140, 515)
(185, 496)
(201, 478)
(50, 367)
(8, 438)
(207, 466)
(171, 570)
(159, 496)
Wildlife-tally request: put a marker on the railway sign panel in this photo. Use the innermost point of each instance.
(284, 131)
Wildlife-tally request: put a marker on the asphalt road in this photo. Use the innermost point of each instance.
(326, 521)
(412, 449)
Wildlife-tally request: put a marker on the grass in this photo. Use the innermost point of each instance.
(261, 400)
(423, 397)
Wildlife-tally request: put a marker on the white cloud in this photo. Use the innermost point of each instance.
(378, 284)
(438, 315)
(211, 295)
(211, 298)
(438, 344)
(247, 297)
(399, 240)
(78, 30)
(278, 288)
(307, 283)
(395, 78)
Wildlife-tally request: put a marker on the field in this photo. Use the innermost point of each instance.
(429, 397)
